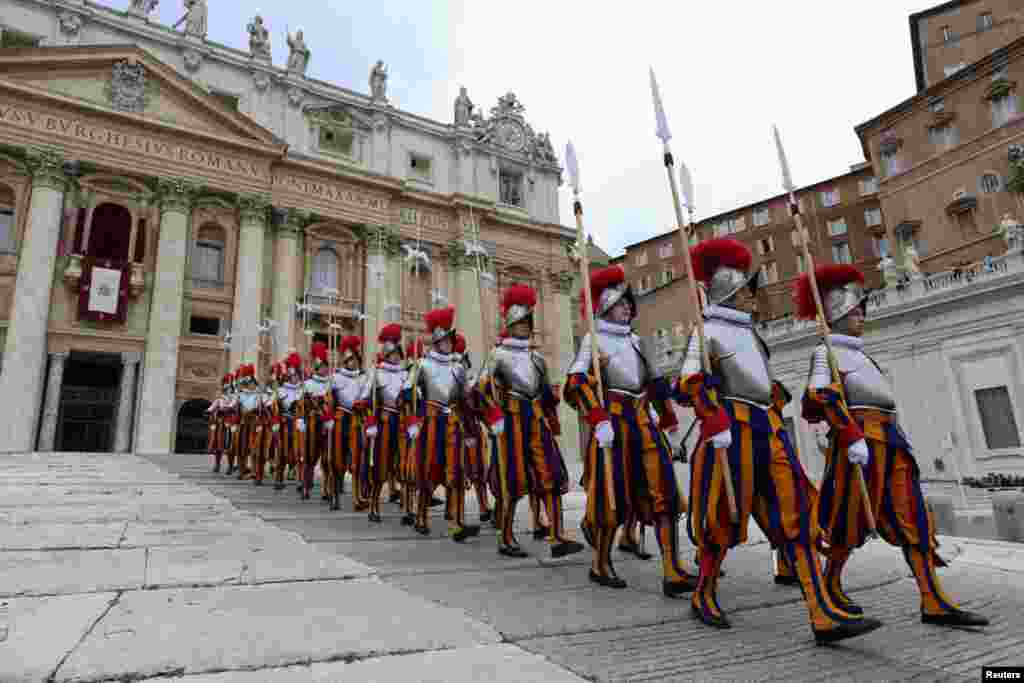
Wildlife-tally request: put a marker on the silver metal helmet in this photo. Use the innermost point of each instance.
(726, 282)
(515, 313)
(389, 347)
(840, 301)
(613, 295)
(441, 333)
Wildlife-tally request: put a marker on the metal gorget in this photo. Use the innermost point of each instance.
(864, 383)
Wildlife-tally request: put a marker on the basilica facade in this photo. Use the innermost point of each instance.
(171, 207)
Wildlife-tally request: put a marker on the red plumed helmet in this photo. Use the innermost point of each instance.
(226, 379)
(293, 360)
(414, 349)
(440, 318)
(829, 276)
(319, 352)
(519, 295)
(391, 333)
(351, 344)
(601, 280)
(246, 371)
(710, 255)
(460, 343)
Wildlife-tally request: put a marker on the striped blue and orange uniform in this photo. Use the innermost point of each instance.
(893, 482)
(348, 452)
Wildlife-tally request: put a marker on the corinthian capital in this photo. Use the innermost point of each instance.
(563, 281)
(47, 168)
(381, 239)
(176, 194)
(253, 208)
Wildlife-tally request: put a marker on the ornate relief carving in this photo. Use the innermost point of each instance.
(261, 80)
(253, 208)
(508, 130)
(47, 168)
(295, 96)
(193, 59)
(70, 23)
(176, 194)
(127, 88)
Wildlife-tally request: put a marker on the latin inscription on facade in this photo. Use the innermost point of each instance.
(108, 137)
(411, 216)
(331, 193)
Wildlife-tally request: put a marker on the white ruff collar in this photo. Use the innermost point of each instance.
(441, 357)
(855, 343)
(730, 314)
(513, 343)
(390, 367)
(318, 379)
(345, 372)
(613, 328)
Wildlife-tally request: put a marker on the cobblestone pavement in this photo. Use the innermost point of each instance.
(119, 568)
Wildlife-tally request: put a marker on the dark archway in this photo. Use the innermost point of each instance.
(111, 233)
(193, 427)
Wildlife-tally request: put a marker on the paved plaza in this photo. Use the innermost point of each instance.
(122, 568)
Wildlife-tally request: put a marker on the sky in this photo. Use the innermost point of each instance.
(727, 71)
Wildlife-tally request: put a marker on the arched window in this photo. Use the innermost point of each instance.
(7, 224)
(208, 256)
(325, 270)
(990, 183)
(110, 232)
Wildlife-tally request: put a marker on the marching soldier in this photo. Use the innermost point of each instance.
(476, 468)
(850, 393)
(229, 407)
(414, 353)
(438, 394)
(270, 449)
(629, 466)
(290, 403)
(318, 422)
(381, 401)
(218, 426)
(734, 400)
(349, 380)
(250, 432)
(521, 412)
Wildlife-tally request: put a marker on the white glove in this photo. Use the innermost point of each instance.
(722, 439)
(604, 433)
(470, 443)
(301, 425)
(213, 428)
(413, 430)
(498, 427)
(275, 428)
(234, 428)
(653, 413)
(371, 431)
(858, 452)
(329, 425)
(675, 438)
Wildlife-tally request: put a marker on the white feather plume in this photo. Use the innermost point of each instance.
(661, 121)
(572, 166)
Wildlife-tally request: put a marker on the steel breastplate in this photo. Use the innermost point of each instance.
(249, 401)
(389, 386)
(742, 362)
(288, 394)
(863, 382)
(441, 379)
(316, 388)
(347, 389)
(626, 370)
(516, 369)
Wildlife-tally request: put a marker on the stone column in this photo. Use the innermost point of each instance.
(382, 283)
(252, 214)
(25, 345)
(465, 296)
(126, 401)
(288, 267)
(155, 425)
(51, 409)
(564, 316)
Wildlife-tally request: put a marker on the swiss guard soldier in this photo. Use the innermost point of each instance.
(438, 392)
(349, 379)
(318, 422)
(473, 442)
(218, 426)
(857, 401)
(739, 404)
(269, 425)
(381, 399)
(521, 412)
(289, 401)
(414, 351)
(629, 467)
(249, 402)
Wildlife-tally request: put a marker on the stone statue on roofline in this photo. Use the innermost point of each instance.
(259, 39)
(194, 19)
(142, 8)
(299, 54)
(463, 108)
(379, 82)
(911, 262)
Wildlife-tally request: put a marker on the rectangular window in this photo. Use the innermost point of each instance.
(943, 137)
(891, 163)
(872, 217)
(830, 198)
(6, 231)
(936, 105)
(640, 259)
(665, 251)
(199, 325)
(729, 226)
(769, 273)
(947, 34)
(868, 186)
(765, 245)
(990, 183)
(419, 167)
(762, 217)
(1003, 109)
(841, 252)
(207, 261)
(997, 421)
(335, 140)
(984, 21)
(836, 227)
(881, 246)
(510, 184)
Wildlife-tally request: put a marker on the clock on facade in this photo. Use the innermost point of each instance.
(512, 136)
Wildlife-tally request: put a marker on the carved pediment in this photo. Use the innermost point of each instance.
(127, 80)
